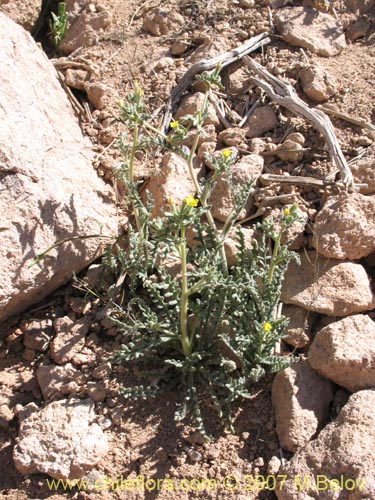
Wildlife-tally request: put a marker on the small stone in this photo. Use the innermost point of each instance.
(6, 416)
(259, 462)
(70, 338)
(262, 120)
(317, 83)
(38, 334)
(179, 47)
(79, 305)
(102, 371)
(96, 392)
(273, 466)
(29, 354)
(57, 381)
(233, 136)
(289, 151)
(116, 415)
(296, 137)
(358, 29)
(76, 78)
(193, 103)
(99, 95)
(298, 328)
(247, 4)
(196, 438)
(160, 22)
(194, 455)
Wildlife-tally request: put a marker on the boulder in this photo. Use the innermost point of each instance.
(23, 12)
(344, 352)
(49, 189)
(60, 440)
(327, 286)
(340, 462)
(345, 227)
(301, 399)
(313, 30)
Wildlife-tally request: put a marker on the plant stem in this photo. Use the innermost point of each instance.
(185, 341)
(275, 254)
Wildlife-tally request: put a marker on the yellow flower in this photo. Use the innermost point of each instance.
(267, 327)
(171, 202)
(138, 89)
(287, 211)
(227, 153)
(174, 124)
(191, 201)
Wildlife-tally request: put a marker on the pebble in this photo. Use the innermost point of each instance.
(194, 455)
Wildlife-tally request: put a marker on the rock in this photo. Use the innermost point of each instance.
(344, 352)
(313, 30)
(247, 4)
(96, 391)
(317, 83)
(239, 81)
(160, 22)
(210, 48)
(262, 120)
(44, 154)
(76, 78)
(86, 31)
(57, 381)
(293, 235)
(248, 168)
(327, 286)
(360, 6)
(298, 329)
(231, 243)
(290, 151)
(358, 29)
(38, 334)
(234, 136)
(79, 305)
(173, 181)
(301, 399)
(99, 95)
(345, 227)
(69, 339)
(180, 46)
(364, 171)
(6, 416)
(274, 465)
(99, 276)
(73, 9)
(343, 453)
(102, 371)
(193, 103)
(23, 12)
(60, 440)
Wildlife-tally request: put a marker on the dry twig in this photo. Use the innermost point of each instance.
(284, 94)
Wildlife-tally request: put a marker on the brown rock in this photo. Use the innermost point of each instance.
(76, 78)
(360, 6)
(102, 371)
(44, 154)
(248, 168)
(173, 181)
(231, 244)
(85, 31)
(290, 151)
(298, 329)
(193, 103)
(262, 120)
(6, 416)
(69, 339)
(23, 12)
(160, 22)
(60, 440)
(313, 30)
(345, 227)
(38, 334)
(327, 286)
(210, 48)
(364, 171)
(293, 235)
(344, 352)
(343, 451)
(301, 398)
(317, 83)
(99, 95)
(57, 381)
(234, 136)
(358, 29)
(96, 391)
(180, 46)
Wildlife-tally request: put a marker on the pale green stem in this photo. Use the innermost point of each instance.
(275, 254)
(185, 341)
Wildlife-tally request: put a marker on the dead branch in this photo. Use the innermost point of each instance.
(284, 94)
(224, 59)
(331, 110)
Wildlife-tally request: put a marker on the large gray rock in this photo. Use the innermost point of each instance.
(340, 463)
(327, 286)
(49, 190)
(313, 30)
(345, 227)
(344, 352)
(61, 440)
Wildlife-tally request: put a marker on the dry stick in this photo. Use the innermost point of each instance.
(331, 110)
(284, 94)
(225, 59)
(266, 179)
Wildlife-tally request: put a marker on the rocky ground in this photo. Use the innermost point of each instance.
(61, 414)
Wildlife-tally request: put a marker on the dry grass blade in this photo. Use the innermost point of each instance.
(284, 94)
